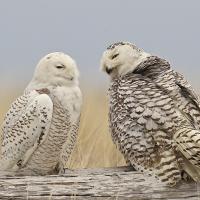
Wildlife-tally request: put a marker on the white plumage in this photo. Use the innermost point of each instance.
(154, 114)
(41, 126)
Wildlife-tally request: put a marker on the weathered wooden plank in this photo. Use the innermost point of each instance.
(109, 183)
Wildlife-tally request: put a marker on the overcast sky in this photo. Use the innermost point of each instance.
(84, 28)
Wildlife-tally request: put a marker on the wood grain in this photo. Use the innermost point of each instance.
(108, 183)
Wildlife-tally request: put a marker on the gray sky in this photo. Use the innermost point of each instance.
(84, 28)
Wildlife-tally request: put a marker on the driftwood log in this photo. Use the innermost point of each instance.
(109, 183)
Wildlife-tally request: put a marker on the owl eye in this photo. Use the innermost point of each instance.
(60, 66)
(114, 56)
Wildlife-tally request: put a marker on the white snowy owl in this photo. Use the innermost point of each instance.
(154, 114)
(41, 126)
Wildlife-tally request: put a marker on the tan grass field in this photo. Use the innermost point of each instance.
(94, 147)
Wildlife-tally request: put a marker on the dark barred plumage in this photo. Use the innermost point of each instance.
(154, 119)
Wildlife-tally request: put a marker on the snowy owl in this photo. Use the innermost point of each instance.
(154, 114)
(41, 126)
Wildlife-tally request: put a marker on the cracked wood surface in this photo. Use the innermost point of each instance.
(106, 183)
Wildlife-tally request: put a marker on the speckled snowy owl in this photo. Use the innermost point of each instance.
(41, 126)
(154, 114)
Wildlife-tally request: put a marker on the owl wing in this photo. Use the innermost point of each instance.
(187, 137)
(193, 107)
(181, 91)
(187, 89)
(142, 120)
(25, 127)
(69, 144)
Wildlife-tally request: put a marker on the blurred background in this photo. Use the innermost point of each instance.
(83, 29)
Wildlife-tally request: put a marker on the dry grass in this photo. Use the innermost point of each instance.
(94, 147)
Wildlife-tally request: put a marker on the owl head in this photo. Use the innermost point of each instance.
(121, 58)
(56, 69)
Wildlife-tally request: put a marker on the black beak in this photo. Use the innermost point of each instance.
(108, 70)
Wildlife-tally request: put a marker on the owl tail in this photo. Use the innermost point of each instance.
(191, 170)
(188, 143)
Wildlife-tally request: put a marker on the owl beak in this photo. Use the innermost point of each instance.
(109, 70)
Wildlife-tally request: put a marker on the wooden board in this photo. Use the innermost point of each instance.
(108, 183)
